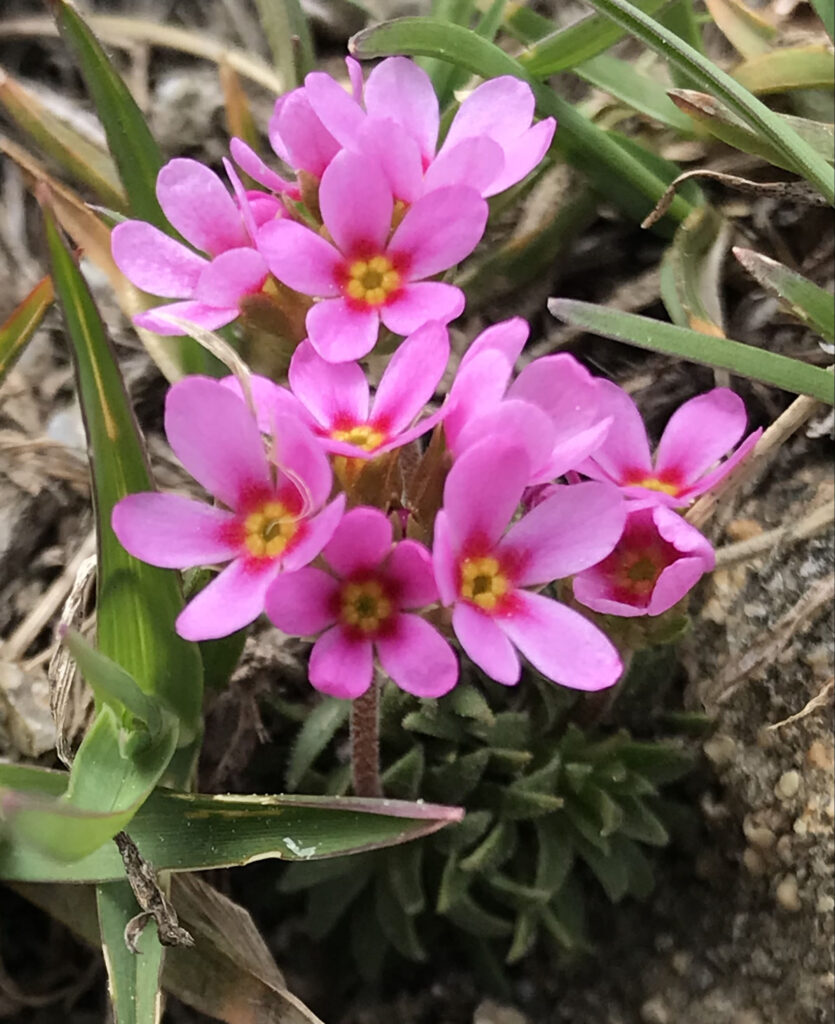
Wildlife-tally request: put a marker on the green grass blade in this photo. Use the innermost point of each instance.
(695, 261)
(801, 67)
(748, 32)
(769, 367)
(616, 173)
(133, 978)
(191, 832)
(23, 322)
(136, 603)
(568, 47)
(636, 89)
(129, 139)
(801, 297)
(288, 37)
(756, 115)
(826, 12)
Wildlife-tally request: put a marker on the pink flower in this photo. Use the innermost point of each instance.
(483, 566)
(197, 204)
(659, 558)
(367, 276)
(698, 434)
(491, 143)
(272, 520)
(554, 408)
(360, 604)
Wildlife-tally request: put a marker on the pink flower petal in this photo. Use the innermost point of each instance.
(444, 563)
(270, 401)
(500, 109)
(334, 393)
(482, 491)
(475, 162)
(562, 387)
(674, 583)
(572, 529)
(216, 438)
(417, 658)
(298, 135)
(699, 433)
(413, 433)
(302, 603)
(230, 276)
(522, 155)
(710, 480)
(360, 543)
(340, 332)
(301, 462)
(356, 204)
(250, 163)
(507, 337)
(517, 422)
(439, 231)
(414, 305)
(625, 450)
(397, 154)
(315, 534)
(300, 258)
(154, 262)
(485, 644)
(562, 644)
(411, 377)
(198, 313)
(478, 388)
(683, 536)
(172, 531)
(354, 69)
(593, 588)
(231, 601)
(400, 90)
(338, 111)
(196, 202)
(409, 570)
(340, 665)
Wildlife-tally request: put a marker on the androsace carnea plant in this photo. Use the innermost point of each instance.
(482, 550)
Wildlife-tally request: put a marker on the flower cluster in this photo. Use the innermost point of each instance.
(536, 485)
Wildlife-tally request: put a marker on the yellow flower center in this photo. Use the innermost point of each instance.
(483, 582)
(268, 531)
(364, 606)
(363, 436)
(653, 484)
(372, 281)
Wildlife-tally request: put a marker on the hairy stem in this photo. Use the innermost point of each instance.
(365, 743)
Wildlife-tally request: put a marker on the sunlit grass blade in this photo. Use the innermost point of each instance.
(733, 131)
(568, 47)
(745, 360)
(129, 591)
(800, 67)
(805, 161)
(77, 155)
(745, 29)
(239, 120)
(638, 90)
(614, 171)
(288, 37)
(129, 138)
(695, 260)
(22, 323)
(826, 12)
(800, 297)
(487, 27)
(133, 978)
(191, 832)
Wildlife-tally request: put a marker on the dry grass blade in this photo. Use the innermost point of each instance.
(820, 700)
(775, 540)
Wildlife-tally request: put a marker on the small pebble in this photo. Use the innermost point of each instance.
(682, 962)
(720, 749)
(654, 1011)
(800, 827)
(787, 785)
(758, 835)
(747, 1017)
(489, 1012)
(819, 755)
(827, 981)
(825, 904)
(787, 894)
(753, 861)
(784, 849)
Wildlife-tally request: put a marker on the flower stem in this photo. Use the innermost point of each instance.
(365, 743)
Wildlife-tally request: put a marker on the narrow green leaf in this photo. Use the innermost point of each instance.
(638, 90)
(746, 30)
(758, 116)
(453, 12)
(405, 874)
(26, 318)
(318, 730)
(568, 47)
(555, 854)
(191, 832)
(640, 823)
(131, 144)
(609, 869)
(493, 851)
(469, 702)
(133, 978)
(799, 67)
(330, 901)
(404, 778)
(524, 936)
(616, 173)
(826, 12)
(746, 360)
(129, 591)
(695, 259)
(288, 36)
(397, 925)
(801, 297)
(680, 18)
(729, 128)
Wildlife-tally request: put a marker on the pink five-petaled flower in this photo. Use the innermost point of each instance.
(367, 276)
(197, 204)
(361, 604)
(698, 434)
(491, 143)
(659, 558)
(272, 520)
(483, 567)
